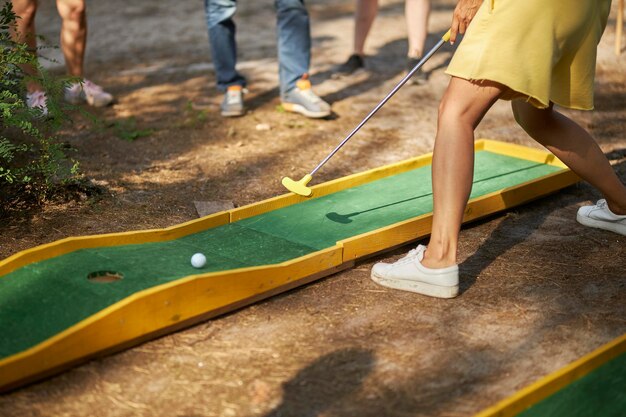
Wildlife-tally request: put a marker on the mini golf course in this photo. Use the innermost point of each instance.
(68, 301)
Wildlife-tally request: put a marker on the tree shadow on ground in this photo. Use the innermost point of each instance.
(387, 63)
(520, 223)
(516, 228)
(327, 381)
(616, 154)
(455, 378)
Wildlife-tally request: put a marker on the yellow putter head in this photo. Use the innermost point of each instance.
(298, 187)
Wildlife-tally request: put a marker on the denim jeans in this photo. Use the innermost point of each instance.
(293, 38)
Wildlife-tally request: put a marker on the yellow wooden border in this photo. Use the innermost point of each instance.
(519, 151)
(508, 149)
(330, 187)
(156, 311)
(419, 227)
(556, 381)
(70, 244)
(187, 300)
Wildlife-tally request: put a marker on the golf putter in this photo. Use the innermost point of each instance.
(300, 187)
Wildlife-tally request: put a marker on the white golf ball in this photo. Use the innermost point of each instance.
(198, 260)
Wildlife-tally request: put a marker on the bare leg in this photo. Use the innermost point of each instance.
(363, 19)
(73, 34)
(26, 10)
(416, 12)
(575, 147)
(462, 108)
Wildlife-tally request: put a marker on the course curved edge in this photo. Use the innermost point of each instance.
(168, 307)
(552, 383)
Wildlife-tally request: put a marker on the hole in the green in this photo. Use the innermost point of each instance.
(105, 276)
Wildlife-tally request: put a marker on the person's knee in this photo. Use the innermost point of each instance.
(72, 10)
(218, 11)
(26, 10)
(451, 111)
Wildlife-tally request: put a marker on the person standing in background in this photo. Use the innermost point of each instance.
(416, 13)
(73, 44)
(294, 58)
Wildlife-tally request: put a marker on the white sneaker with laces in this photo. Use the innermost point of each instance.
(87, 91)
(37, 100)
(409, 274)
(601, 217)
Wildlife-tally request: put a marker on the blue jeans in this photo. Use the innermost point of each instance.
(293, 37)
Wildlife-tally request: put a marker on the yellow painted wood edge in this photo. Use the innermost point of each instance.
(330, 187)
(160, 307)
(64, 246)
(320, 190)
(221, 218)
(70, 244)
(556, 381)
(523, 152)
(419, 227)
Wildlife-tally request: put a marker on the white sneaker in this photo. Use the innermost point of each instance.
(37, 100)
(601, 217)
(409, 274)
(87, 91)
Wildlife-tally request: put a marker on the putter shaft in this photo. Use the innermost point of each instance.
(416, 68)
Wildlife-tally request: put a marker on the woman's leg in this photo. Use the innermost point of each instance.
(25, 26)
(416, 12)
(73, 34)
(363, 19)
(462, 108)
(575, 147)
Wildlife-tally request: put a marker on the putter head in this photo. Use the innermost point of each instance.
(298, 187)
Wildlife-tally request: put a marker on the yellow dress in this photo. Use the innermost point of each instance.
(543, 50)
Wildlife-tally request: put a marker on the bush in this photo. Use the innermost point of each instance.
(33, 163)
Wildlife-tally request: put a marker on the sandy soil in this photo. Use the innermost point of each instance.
(539, 290)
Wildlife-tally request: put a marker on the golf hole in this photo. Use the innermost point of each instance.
(105, 276)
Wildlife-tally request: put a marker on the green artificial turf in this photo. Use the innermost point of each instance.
(601, 392)
(42, 299)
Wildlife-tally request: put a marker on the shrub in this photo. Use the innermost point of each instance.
(33, 163)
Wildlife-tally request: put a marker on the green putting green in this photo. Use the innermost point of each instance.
(601, 392)
(44, 298)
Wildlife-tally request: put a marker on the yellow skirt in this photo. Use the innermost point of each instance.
(542, 50)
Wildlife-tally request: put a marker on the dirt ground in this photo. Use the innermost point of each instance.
(538, 290)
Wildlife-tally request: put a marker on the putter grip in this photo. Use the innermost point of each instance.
(446, 37)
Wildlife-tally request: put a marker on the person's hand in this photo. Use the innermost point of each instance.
(463, 14)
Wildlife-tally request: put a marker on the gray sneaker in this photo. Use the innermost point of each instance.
(303, 100)
(232, 105)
